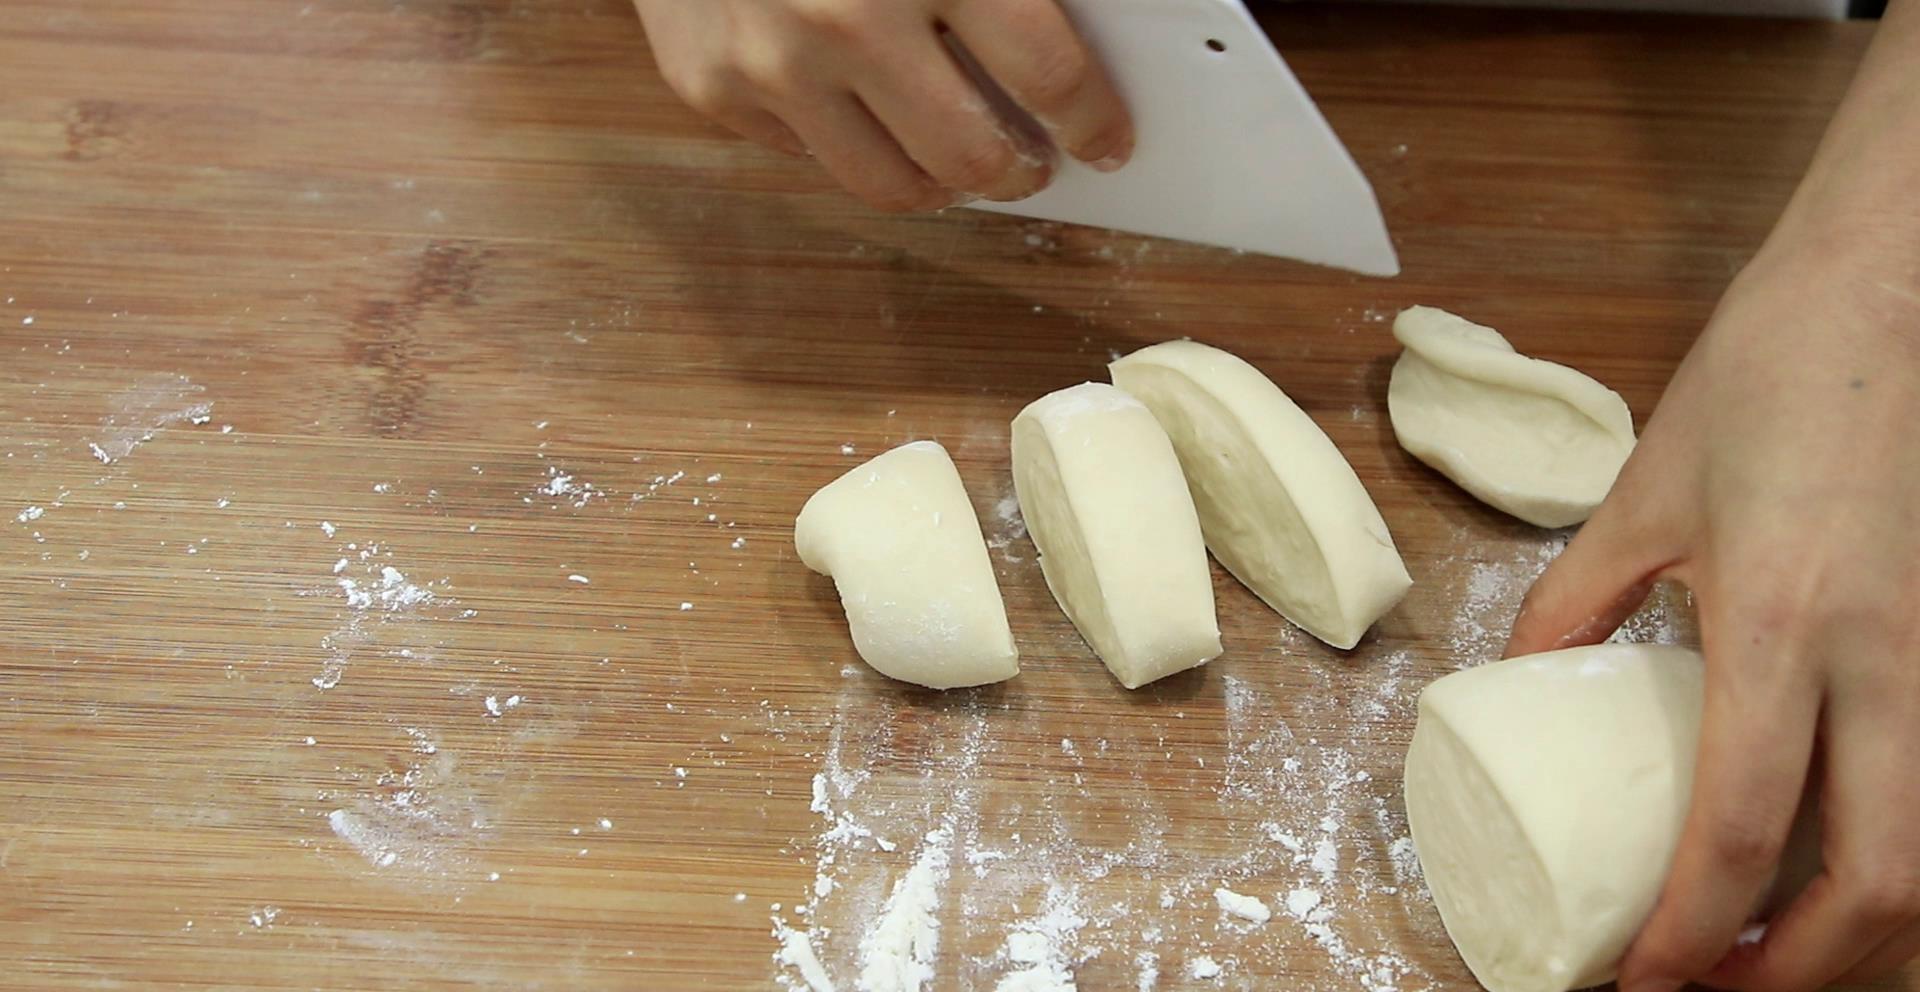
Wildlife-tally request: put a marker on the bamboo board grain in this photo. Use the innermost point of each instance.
(425, 258)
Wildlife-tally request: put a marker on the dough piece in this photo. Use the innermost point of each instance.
(900, 539)
(1537, 440)
(1545, 796)
(1120, 546)
(1279, 506)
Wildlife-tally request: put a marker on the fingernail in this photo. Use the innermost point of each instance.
(1115, 160)
(1038, 157)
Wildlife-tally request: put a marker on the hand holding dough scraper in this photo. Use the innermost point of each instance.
(1231, 150)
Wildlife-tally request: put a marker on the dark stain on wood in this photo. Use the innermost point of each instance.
(461, 33)
(386, 335)
(96, 129)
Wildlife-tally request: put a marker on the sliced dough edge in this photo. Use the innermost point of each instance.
(1104, 502)
(1545, 796)
(1280, 506)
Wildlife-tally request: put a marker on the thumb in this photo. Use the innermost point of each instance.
(1598, 582)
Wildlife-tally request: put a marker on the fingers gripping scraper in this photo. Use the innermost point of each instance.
(1231, 151)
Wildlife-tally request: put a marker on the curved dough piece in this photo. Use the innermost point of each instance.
(1119, 544)
(1279, 505)
(1537, 440)
(901, 541)
(1545, 795)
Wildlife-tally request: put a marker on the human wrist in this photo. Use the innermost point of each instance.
(1842, 247)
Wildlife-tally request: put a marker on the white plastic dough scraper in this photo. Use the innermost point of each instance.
(1231, 151)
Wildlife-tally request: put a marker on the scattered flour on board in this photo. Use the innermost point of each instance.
(1298, 847)
(884, 934)
(135, 415)
(138, 413)
(562, 487)
(1006, 530)
(1299, 813)
(796, 954)
(1245, 907)
(1496, 583)
(1146, 970)
(1667, 618)
(496, 706)
(383, 606)
(898, 953)
(1039, 950)
(420, 818)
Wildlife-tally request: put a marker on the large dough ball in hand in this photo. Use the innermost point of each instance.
(1546, 797)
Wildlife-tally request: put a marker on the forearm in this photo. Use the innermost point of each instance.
(1860, 199)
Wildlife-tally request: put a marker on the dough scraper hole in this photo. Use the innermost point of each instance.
(1216, 45)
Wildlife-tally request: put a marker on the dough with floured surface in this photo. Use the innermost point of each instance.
(900, 539)
(1120, 545)
(1278, 504)
(1545, 796)
(1538, 440)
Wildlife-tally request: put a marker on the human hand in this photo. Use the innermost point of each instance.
(871, 89)
(1779, 480)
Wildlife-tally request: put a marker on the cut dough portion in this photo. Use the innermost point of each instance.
(900, 539)
(1119, 543)
(1537, 440)
(1279, 505)
(1545, 796)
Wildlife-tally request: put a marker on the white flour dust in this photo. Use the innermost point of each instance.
(135, 415)
(1497, 580)
(879, 928)
(897, 953)
(385, 610)
(1006, 529)
(141, 411)
(1667, 618)
(935, 873)
(417, 818)
(1040, 948)
(1245, 907)
(1332, 824)
(564, 488)
(1495, 583)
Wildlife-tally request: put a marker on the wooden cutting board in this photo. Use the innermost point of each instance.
(403, 409)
